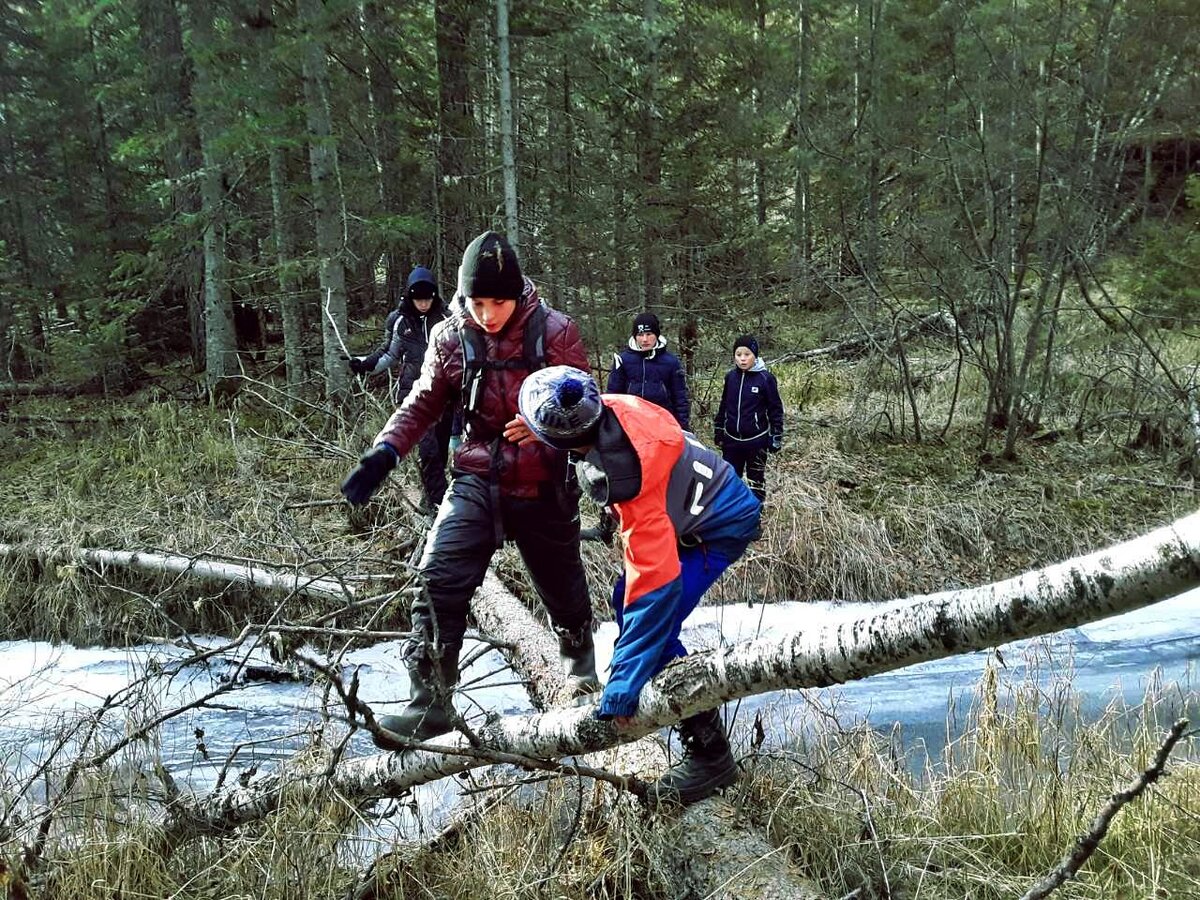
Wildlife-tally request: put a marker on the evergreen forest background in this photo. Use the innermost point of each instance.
(965, 232)
(178, 176)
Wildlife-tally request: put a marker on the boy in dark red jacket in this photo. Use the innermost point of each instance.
(405, 337)
(684, 518)
(506, 484)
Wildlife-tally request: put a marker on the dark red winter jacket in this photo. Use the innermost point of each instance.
(521, 470)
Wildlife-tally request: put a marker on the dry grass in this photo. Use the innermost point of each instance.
(1022, 780)
(854, 808)
(246, 484)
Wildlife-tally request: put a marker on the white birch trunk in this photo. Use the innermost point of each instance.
(507, 147)
(888, 636)
(259, 577)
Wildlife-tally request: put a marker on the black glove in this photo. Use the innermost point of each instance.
(365, 478)
(718, 436)
(776, 443)
(358, 365)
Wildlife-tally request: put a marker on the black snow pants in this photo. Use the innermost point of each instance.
(463, 538)
(750, 464)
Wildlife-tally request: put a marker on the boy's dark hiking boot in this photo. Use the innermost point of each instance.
(603, 531)
(707, 765)
(430, 710)
(578, 651)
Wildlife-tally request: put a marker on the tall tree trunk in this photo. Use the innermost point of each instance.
(650, 163)
(101, 152)
(283, 240)
(327, 201)
(871, 122)
(16, 357)
(456, 129)
(291, 312)
(7, 345)
(29, 357)
(220, 351)
(171, 79)
(382, 104)
(507, 149)
(802, 212)
(759, 89)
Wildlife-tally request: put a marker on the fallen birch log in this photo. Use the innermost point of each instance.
(855, 346)
(259, 577)
(711, 850)
(1127, 576)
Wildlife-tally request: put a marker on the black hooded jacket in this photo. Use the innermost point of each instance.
(405, 337)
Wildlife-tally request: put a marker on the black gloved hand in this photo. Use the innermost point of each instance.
(776, 443)
(365, 478)
(358, 365)
(719, 436)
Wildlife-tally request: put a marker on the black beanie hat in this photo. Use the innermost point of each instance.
(747, 341)
(646, 323)
(490, 269)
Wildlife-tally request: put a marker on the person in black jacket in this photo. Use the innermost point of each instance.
(405, 337)
(645, 369)
(749, 420)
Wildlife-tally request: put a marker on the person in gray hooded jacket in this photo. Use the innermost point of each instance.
(405, 337)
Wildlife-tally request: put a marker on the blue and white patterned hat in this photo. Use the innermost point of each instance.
(562, 406)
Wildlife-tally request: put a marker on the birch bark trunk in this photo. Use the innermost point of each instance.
(886, 636)
(260, 577)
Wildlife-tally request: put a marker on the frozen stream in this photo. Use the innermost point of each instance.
(43, 687)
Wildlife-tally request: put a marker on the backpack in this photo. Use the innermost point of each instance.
(476, 362)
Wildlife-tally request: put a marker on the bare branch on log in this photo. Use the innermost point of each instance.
(1089, 841)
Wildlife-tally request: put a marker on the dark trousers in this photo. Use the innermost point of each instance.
(432, 452)
(462, 540)
(750, 466)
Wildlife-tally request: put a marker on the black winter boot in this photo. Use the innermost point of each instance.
(430, 710)
(706, 767)
(603, 532)
(578, 651)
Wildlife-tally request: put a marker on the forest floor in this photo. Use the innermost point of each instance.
(853, 512)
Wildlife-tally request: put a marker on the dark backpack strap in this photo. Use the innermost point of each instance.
(535, 339)
(476, 362)
(474, 356)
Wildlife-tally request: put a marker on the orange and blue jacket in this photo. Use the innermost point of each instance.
(667, 490)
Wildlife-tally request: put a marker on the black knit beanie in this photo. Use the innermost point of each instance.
(747, 341)
(490, 269)
(646, 323)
